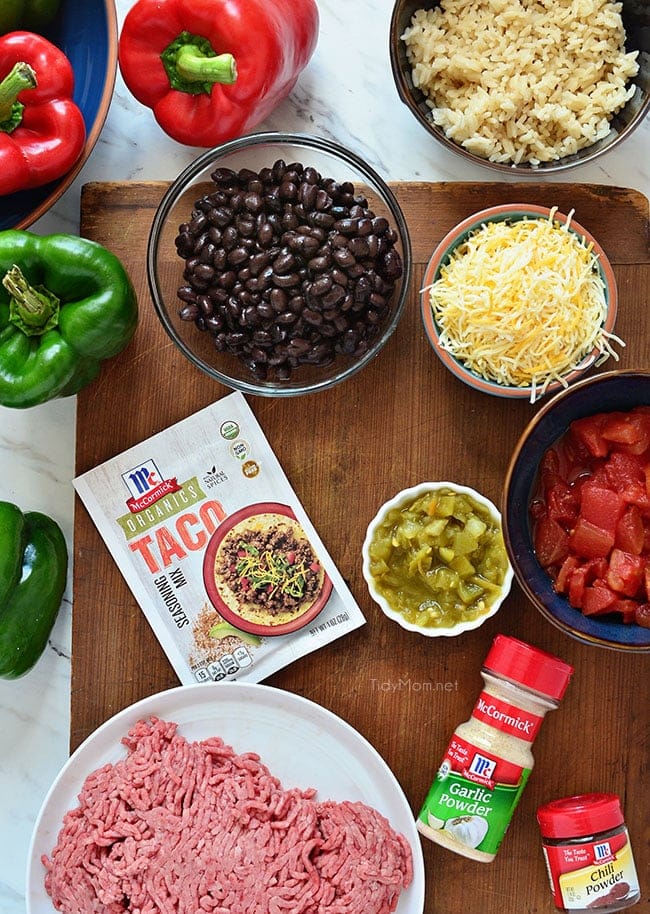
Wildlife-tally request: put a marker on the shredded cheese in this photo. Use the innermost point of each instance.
(522, 303)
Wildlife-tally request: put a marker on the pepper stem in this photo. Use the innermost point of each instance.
(21, 76)
(193, 66)
(33, 309)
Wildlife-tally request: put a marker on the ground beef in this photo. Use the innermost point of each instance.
(182, 827)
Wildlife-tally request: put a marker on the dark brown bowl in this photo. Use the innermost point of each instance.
(636, 19)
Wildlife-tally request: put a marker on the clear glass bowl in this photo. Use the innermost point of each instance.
(165, 266)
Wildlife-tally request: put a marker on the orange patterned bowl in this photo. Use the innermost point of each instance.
(463, 365)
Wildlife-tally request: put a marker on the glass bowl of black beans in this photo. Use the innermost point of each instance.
(279, 263)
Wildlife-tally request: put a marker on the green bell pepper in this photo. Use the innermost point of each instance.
(66, 305)
(33, 574)
(29, 15)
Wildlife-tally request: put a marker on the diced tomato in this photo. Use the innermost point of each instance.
(588, 432)
(596, 568)
(567, 567)
(549, 469)
(591, 515)
(636, 494)
(630, 534)
(624, 470)
(601, 507)
(627, 608)
(589, 540)
(642, 615)
(551, 542)
(577, 583)
(631, 431)
(563, 504)
(597, 599)
(626, 572)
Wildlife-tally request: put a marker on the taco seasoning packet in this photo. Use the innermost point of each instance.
(217, 549)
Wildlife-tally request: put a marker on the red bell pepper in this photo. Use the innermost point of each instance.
(42, 131)
(211, 70)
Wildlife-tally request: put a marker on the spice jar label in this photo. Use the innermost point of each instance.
(592, 874)
(506, 717)
(473, 796)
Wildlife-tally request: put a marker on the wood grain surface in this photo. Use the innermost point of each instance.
(402, 420)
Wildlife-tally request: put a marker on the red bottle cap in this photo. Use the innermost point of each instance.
(586, 814)
(532, 668)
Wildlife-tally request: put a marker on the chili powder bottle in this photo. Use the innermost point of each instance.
(588, 854)
(488, 760)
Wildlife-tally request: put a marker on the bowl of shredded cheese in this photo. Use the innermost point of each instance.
(520, 300)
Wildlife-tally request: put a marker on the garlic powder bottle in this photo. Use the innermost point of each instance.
(488, 760)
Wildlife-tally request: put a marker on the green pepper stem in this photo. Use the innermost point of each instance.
(195, 66)
(33, 309)
(21, 76)
(192, 65)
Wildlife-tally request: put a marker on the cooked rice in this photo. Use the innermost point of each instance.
(522, 80)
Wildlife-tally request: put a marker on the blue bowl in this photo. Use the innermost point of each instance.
(605, 392)
(86, 31)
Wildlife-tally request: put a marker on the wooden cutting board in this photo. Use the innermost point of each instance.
(402, 420)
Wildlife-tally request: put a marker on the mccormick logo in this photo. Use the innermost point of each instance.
(603, 852)
(481, 770)
(146, 486)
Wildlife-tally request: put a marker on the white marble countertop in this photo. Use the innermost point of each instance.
(348, 97)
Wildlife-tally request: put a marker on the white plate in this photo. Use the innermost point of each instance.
(303, 744)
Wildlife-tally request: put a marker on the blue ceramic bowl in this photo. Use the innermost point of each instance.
(606, 392)
(86, 31)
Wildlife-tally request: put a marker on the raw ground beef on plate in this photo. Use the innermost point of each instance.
(182, 827)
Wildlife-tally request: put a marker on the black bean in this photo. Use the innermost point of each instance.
(223, 176)
(296, 303)
(307, 195)
(284, 262)
(227, 280)
(344, 257)
(285, 280)
(237, 256)
(203, 272)
(221, 216)
(189, 312)
(358, 246)
(278, 299)
(298, 346)
(319, 264)
(321, 286)
(321, 354)
(315, 318)
(205, 304)
(288, 190)
(187, 294)
(335, 295)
